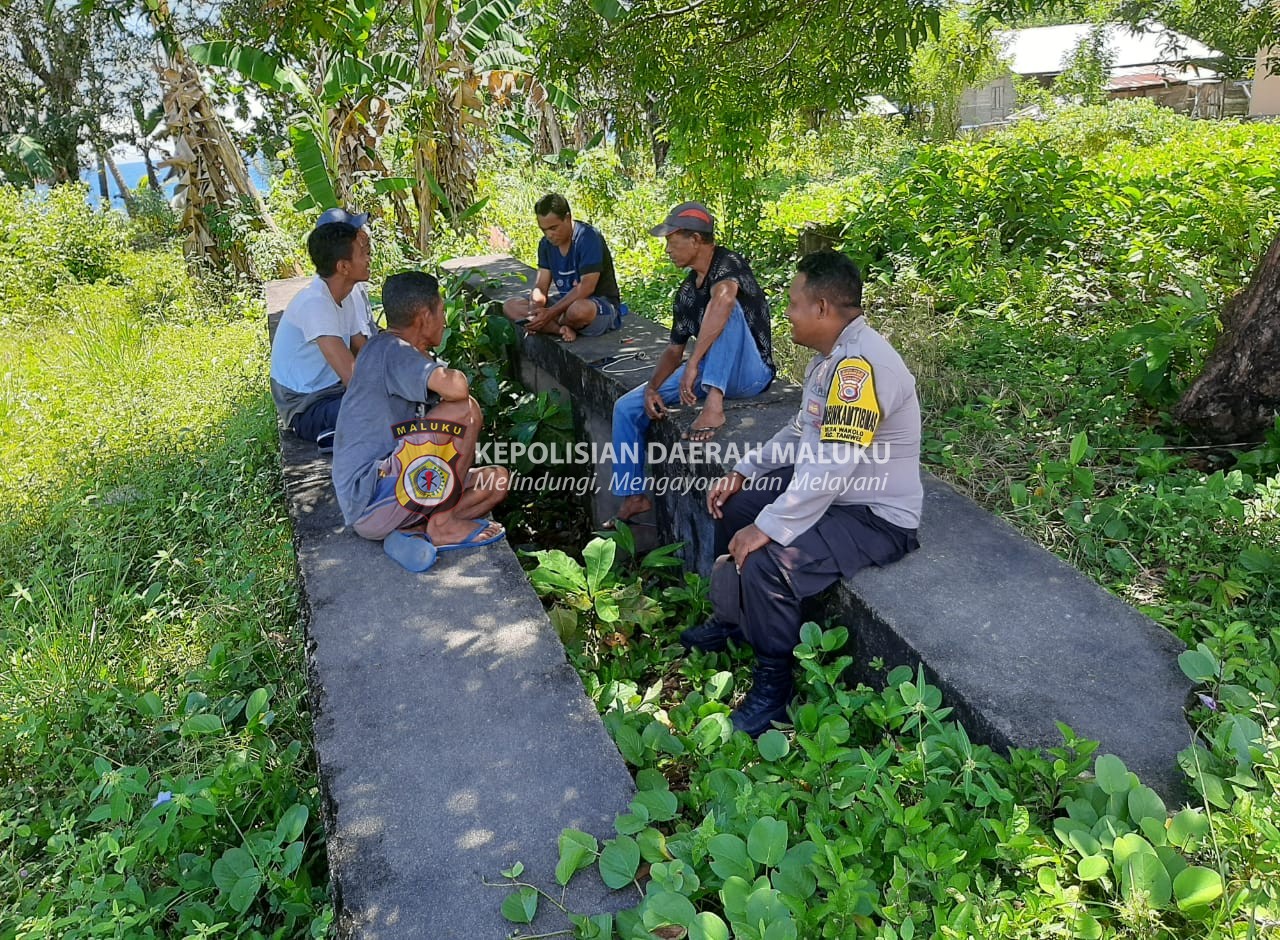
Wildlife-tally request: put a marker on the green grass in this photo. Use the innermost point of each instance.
(150, 638)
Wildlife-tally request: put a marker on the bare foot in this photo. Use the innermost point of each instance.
(702, 433)
(567, 334)
(447, 530)
(631, 507)
(709, 420)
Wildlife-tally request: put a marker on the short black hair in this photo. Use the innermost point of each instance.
(406, 293)
(832, 275)
(328, 244)
(552, 204)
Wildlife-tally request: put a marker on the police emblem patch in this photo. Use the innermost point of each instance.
(852, 412)
(851, 377)
(427, 476)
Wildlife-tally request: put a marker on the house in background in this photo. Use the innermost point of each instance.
(1264, 101)
(1148, 62)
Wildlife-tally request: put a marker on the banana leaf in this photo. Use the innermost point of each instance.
(315, 174)
(253, 64)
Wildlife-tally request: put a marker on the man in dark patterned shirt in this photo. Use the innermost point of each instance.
(721, 304)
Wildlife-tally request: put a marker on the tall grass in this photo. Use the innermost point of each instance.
(153, 723)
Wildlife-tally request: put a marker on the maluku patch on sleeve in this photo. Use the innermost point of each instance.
(852, 412)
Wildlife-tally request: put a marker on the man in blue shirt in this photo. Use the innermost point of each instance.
(572, 256)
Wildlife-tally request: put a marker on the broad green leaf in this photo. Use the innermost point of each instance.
(201, 724)
(149, 705)
(611, 10)
(1112, 775)
(1083, 842)
(1145, 803)
(729, 857)
(1144, 874)
(393, 67)
(653, 845)
(256, 704)
(708, 926)
(238, 878)
(1197, 886)
(1187, 827)
(1129, 845)
(773, 745)
(720, 685)
(253, 64)
(598, 555)
(1086, 926)
(1198, 666)
(663, 907)
(1079, 447)
(577, 851)
(1092, 867)
(660, 805)
(520, 906)
(291, 824)
(393, 184)
(767, 840)
(619, 862)
(309, 153)
(32, 154)
(712, 731)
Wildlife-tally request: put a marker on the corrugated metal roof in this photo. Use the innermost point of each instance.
(1043, 50)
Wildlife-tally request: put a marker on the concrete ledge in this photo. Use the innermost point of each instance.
(453, 737)
(1017, 639)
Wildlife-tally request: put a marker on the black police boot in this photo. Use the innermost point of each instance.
(711, 637)
(768, 698)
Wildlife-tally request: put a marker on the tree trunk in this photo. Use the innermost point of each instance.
(104, 190)
(658, 142)
(152, 178)
(125, 194)
(1237, 396)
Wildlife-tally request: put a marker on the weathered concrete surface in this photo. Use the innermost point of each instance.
(1017, 639)
(452, 735)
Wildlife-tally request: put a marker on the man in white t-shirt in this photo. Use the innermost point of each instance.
(323, 329)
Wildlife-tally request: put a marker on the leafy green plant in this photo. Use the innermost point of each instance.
(593, 602)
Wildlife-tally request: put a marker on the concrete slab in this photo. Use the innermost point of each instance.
(1015, 637)
(453, 737)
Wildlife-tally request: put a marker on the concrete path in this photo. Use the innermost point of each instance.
(453, 737)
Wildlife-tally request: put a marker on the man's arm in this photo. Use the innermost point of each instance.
(339, 355)
(541, 285)
(723, 296)
(449, 384)
(357, 343)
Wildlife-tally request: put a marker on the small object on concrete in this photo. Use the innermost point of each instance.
(413, 551)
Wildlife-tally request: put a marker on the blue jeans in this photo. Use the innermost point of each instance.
(733, 365)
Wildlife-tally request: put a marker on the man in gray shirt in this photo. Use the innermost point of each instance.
(406, 437)
(834, 491)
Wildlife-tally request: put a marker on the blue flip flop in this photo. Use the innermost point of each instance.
(471, 542)
(414, 551)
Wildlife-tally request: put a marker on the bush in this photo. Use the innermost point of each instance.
(50, 240)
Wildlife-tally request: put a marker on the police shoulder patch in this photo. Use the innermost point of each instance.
(852, 411)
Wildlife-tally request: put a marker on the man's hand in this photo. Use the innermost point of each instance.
(687, 382)
(744, 542)
(720, 492)
(653, 404)
(539, 318)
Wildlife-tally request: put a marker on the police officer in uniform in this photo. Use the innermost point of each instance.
(834, 491)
